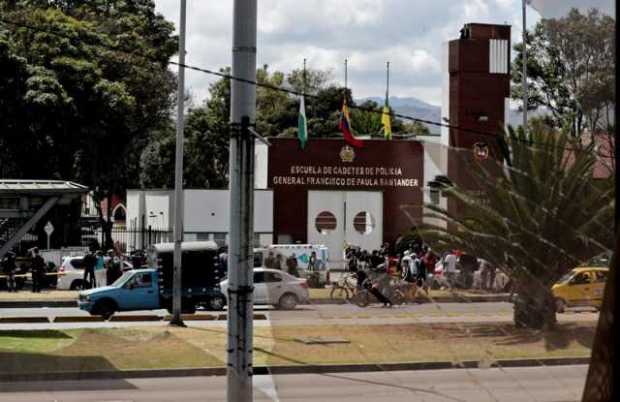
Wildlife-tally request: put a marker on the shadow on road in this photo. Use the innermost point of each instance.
(360, 380)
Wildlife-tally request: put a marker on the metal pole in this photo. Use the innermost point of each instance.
(303, 91)
(524, 74)
(346, 78)
(387, 90)
(178, 180)
(240, 261)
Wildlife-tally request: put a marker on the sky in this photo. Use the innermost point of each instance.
(407, 33)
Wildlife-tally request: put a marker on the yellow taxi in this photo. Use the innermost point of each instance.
(581, 286)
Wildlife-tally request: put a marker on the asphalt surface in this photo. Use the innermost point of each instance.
(541, 384)
(308, 311)
(306, 315)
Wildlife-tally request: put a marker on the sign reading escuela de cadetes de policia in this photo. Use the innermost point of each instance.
(394, 168)
(367, 168)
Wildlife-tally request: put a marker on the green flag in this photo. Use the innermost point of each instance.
(302, 126)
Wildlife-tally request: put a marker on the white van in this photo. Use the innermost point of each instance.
(302, 253)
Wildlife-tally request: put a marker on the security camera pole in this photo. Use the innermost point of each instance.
(240, 260)
(178, 181)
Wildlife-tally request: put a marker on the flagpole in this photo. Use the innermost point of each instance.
(303, 91)
(524, 74)
(345, 77)
(387, 90)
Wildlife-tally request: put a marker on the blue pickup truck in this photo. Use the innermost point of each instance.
(151, 288)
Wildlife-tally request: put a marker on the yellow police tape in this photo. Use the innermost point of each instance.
(28, 275)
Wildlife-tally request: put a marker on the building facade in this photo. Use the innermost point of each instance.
(333, 194)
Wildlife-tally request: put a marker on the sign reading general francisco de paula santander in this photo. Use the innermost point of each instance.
(331, 163)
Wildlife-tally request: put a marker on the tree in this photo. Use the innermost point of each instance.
(84, 107)
(205, 145)
(536, 218)
(275, 110)
(415, 128)
(570, 70)
(316, 80)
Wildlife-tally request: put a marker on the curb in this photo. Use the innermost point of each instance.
(38, 303)
(116, 318)
(73, 303)
(309, 369)
(24, 320)
(89, 318)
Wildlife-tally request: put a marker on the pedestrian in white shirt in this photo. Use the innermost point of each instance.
(449, 268)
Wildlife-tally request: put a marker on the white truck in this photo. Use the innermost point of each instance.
(302, 253)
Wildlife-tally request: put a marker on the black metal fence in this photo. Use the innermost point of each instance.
(125, 239)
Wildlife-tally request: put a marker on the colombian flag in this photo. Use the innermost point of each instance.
(345, 126)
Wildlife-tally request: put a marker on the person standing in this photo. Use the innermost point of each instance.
(114, 270)
(468, 264)
(408, 275)
(312, 262)
(278, 263)
(449, 268)
(100, 268)
(421, 274)
(487, 274)
(37, 270)
(8, 268)
(270, 260)
(429, 260)
(89, 263)
(291, 265)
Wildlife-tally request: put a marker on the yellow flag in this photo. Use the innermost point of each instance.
(387, 123)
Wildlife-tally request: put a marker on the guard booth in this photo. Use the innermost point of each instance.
(27, 205)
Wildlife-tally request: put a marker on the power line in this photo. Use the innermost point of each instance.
(224, 75)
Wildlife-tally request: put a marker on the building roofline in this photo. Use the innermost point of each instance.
(28, 186)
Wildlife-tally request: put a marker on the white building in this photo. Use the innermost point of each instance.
(205, 215)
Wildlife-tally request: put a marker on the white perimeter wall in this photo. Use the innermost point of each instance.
(261, 157)
(206, 211)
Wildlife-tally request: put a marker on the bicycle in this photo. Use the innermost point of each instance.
(344, 289)
(363, 297)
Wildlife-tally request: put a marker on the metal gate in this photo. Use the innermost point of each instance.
(340, 218)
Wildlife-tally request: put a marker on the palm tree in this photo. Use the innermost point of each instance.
(535, 215)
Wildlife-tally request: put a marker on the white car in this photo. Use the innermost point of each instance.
(71, 273)
(272, 286)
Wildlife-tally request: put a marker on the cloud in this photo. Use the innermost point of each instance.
(368, 33)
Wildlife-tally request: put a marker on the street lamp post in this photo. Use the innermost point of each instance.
(242, 117)
(178, 180)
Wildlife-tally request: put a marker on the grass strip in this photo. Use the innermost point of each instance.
(166, 347)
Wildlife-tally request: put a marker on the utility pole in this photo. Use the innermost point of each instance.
(240, 256)
(178, 180)
(524, 74)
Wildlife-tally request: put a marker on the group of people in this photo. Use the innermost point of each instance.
(37, 270)
(96, 261)
(93, 262)
(375, 270)
(289, 265)
(411, 265)
(414, 262)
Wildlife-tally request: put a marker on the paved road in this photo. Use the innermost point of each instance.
(307, 311)
(311, 315)
(541, 384)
